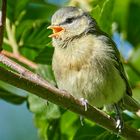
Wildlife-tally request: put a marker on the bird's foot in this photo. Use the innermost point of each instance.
(84, 103)
(119, 125)
(119, 120)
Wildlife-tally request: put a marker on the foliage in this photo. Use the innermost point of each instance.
(28, 22)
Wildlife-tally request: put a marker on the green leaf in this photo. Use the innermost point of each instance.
(93, 132)
(36, 36)
(45, 56)
(45, 114)
(11, 98)
(42, 125)
(135, 58)
(46, 72)
(15, 8)
(33, 38)
(22, 29)
(95, 13)
(136, 123)
(69, 121)
(29, 53)
(97, 2)
(120, 13)
(53, 131)
(105, 20)
(133, 77)
(107, 136)
(40, 11)
(37, 105)
(133, 23)
(88, 132)
(12, 94)
(136, 94)
(40, 106)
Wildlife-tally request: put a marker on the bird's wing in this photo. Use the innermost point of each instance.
(117, 57)
(119, 65)
(128, 102)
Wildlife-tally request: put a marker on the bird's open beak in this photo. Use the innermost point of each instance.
(56, 31)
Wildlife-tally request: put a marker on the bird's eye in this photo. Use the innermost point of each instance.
(69, 20)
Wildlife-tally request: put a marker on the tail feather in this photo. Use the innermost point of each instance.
(130, 104)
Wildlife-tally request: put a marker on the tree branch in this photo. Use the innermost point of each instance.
(21, 59)
(33, 83)
(2, 22)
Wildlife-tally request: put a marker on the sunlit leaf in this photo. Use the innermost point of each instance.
(133, 76)
(36, 36)
(135, 58)
(136, 93)
(95, 13)
(105, 20)
(120, 13)
(69, 121)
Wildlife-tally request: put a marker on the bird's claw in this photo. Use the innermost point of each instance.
(84, 103)
(119, 124)
(119, 120)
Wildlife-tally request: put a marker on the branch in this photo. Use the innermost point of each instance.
(11, 41)
(20, 58)
(2, 22)
(33, 83)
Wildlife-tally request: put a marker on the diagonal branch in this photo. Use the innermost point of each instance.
(2, 22)
(33, 83)
(21, 59)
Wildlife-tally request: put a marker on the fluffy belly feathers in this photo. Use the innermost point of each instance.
(88, 71)
(100, 88)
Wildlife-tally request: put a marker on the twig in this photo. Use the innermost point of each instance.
(20, 58)
(11, 37)
(35, 84)
(11, 41)
(2, 22)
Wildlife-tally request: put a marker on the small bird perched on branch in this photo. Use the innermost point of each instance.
(86, 62)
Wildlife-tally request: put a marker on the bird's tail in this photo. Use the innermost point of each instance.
(131, 104)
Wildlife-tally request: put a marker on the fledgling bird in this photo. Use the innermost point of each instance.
(86, 62)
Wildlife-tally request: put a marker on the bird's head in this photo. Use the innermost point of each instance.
(69, 22)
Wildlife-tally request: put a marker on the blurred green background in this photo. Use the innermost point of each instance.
(26, 42)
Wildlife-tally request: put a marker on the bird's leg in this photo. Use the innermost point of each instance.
(119, 119)
(84, 103)
(82, 120)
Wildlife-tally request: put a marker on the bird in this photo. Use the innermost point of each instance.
(87, 63)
